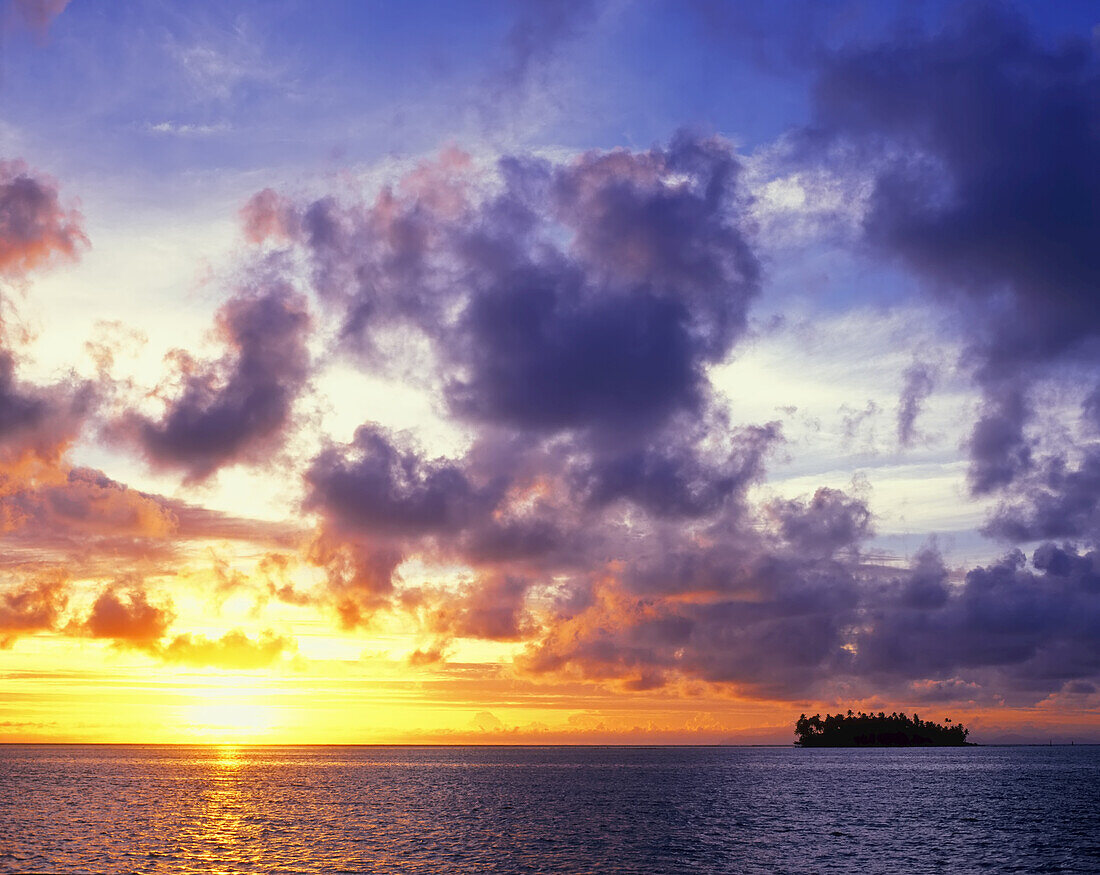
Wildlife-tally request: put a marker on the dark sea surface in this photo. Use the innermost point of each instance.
(548, 809)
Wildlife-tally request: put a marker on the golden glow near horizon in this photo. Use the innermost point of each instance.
(332, 414)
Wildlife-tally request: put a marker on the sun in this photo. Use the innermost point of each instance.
(229, 716)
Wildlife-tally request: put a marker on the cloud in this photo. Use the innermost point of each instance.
(588, 294)
(566, 312)
(984, 140)
(37, 424)
(379, 501)
(680, 479)
(857, 422)
(234, 650)
(39, 14)
(1021, 633)
(34, 606)
(267, 215)
(1000, 452)
(234, 409)
(1056, 500)
(783, 625)
(920, 379)
(125, 615)
(35, 229)
(374, 486)
(762, 606)
(490, 608)
(523, 80)
(614, 333)
(828, 522)
(182, 129)
(540, 28)
(85, 503)
(93, 526)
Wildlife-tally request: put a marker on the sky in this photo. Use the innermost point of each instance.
(547, 371)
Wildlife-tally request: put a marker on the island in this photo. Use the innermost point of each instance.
(877, 730)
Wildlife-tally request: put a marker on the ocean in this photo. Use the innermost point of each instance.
(80, 808)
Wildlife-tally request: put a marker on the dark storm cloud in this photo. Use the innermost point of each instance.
(674, 479)
(542, 356)
(919, 381)
(613, 332)
(374, 486)
(578, 295)
(601, 512)
(1036, 628)
(989, 186)
(1000, 188)
(831, 521)
(1056, 501)
(234, 409)
(1000, 452)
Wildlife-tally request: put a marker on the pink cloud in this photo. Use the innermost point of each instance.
(34, 227)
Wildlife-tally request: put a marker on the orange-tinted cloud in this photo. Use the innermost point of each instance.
(85, 503)
(34, 228)
(34, 606)
(126, 616)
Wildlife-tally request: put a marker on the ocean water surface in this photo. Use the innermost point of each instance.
(548, 809)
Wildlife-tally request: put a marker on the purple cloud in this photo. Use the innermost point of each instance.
(988, 186)
(237, 408)
(35, 228)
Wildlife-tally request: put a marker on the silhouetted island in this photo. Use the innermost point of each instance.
(876, 730)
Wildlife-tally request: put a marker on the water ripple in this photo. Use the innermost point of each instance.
(504, 810)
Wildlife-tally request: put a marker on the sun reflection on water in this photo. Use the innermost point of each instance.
(223, 826)
(229, 756)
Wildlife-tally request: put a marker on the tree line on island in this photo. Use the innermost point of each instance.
(877, 730)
